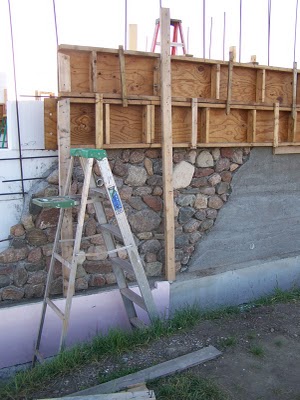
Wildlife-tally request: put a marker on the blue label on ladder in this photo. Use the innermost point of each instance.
(115, 199)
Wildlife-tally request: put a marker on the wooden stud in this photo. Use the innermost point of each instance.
(123, 76)
(294, 101)
(64, 144)
(107, 124)
(229, 83)
(132, 36)
(156, 78)
(194, 124)
(93, 74)
(148, 123)
(292, 127)
(99, 136)
(232, 53)
(251, 128)
(215, 81)
(260, 85)
(276, 125)
(204, 125)
(167, 153)
(253, 59)
(64, 73)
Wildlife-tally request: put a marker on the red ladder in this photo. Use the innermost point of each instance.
(176, 23)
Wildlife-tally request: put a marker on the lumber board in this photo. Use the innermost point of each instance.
(126, 124)
(157, 371)
(50, 124)
(230, 128)
(123, 76)
(167, 145)
(83, 124)
(134, 395)
(194, 133)
(80, 70)
(279, 87)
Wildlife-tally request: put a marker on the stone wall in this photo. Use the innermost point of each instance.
(201, 187)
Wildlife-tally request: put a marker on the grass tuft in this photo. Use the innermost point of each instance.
(257, 350)
(228, 342)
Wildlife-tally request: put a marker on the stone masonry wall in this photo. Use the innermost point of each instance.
(201, 187)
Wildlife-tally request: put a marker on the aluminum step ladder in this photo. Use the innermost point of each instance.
(122, 232)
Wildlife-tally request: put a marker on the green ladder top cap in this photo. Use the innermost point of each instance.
(56, 202)
(99, 154)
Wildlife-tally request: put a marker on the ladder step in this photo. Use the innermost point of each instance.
(55, 308)
(114, 230)
(135, 298)
(62, 260)
(138, 323)
(125, 265)
(56, 202)
(99, 154)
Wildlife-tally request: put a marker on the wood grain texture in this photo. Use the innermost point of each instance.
(191, 80)
(80, 71)
(264, 126)
(228, 128)
(279, 87)
(83, 124)
(126, 124)
(50, 124)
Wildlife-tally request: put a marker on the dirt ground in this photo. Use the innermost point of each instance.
(260, 360)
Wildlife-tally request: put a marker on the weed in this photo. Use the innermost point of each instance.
(251, 335)
(278, 343)
(257, 351)
(186, 386)
(117, 374)
(228, 342)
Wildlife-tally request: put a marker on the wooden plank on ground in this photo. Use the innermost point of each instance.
(167, 146)
(134, 395)
(157, 371)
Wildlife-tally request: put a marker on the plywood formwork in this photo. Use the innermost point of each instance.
(115, 101)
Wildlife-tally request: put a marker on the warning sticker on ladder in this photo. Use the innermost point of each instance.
(115, 199)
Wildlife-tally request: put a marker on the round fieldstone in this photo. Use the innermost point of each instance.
(191, 156)
(153, 202)
(35, 255)
(211, 213)
(20, 276)
(97, 267)
(144, 221)
(100, 250)
(178, 157)
(238, 156)
(184, 200)
(152, 153)
(97, 280)
(148, 166)
(227, 152)
(205, 159)
(150, 246)
(200, 215)
(17, 230)
(137, 176)
(208, 191)
(207, 224)
(142, 191)
(57, 286)
(200, 201)
(120, 168)
(136, 156)
(182, 240)
(12, 293)
(153, 268)
(199, 182)
(81, 283)
(182, 175)
(36, 237)
(110, 279)
(34, 291)
(191, 226)
(53, 178)
(4, 281)
(222, 164)
(11, 255)
(157, 191)
(233, 167)
(150, 257)
(215, 202)
(194, 237)
(185, 213)
(226, 176)
(214, 179)
(126, 193)
(90, 227)
(37, 277)
(223, 188)
(155, 180)
(216, 154)
(157, 166)
(200, 172)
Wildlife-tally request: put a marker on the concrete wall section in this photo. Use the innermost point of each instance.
(261, 218)
(235, 287)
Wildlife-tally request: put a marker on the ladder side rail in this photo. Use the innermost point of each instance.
(182, 39)
(51, 267)
(133, 254)
(76, 249)
(155, 36)
(110, 245)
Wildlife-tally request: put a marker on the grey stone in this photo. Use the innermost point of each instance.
(53, 178)
(214, 179)
(20, 276)
(208, 191)
(205, 159)
(185, 213)
(233, 167)
(153, 268)
(97, 267)
(137, 176)
(120, 169)
(136, 156)
(90, 227)
(100, 250)
(200, 201)
(137, 203)
(191, 226)
(51, 191)
(57, 286)
(97, 280)
(216, 154)
(200, 215)
(150, 246)
(211, 213)
(195, 237)
(155, 180)
(149, 166)
(125, 193)
(12, 293)
(238, 156)
(222, 164)
(191, 156)
(150, 257)
(80, 273)
(36, 237)
(145, 235)
(142, 191)
(144, 221)
(182, 174)
(81, 283)
(215, 202)
(207, 224)
(11, 255)
(199, 182)
(185, 200)
(35, 278)
(110, 279)
(27, 221)
(182, 240)
(4, 281)
(157, 166)
(223, 188)
(34, 291)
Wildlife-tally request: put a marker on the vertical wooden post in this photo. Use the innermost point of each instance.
(295, 74)
(260, 85)
(107, 123)
(293, 117)
(148, 123)
(215, 81)
(194, 124)
(229, 82)
(251, 128)
(167, 146)
(93, 72)
(64, 73)
(204, 125)
(276, 125)
(99, 136)
(64, 144)
(132, 36)
(123, 76)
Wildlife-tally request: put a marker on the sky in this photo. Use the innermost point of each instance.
(101, 23)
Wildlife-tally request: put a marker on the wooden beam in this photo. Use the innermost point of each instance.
(64, 73)
(64, 145)
(204, 125)
(167, 148)
(294, 101)
(107, 124)
(260, 85)
(215, 81)
(276, 125)
(194, 124)
(251, 127)
(123, 76)
(148, 123)
(232, 53)
(229, 83)
(292, 127)
(93, 73)
(99, 135)
(156, 78)
(133, 36)
(157, 371)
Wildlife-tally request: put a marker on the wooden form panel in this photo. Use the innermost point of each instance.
(230, 128)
